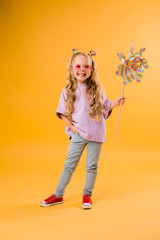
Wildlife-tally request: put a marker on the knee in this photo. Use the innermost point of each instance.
(92, 168)
(69, 168)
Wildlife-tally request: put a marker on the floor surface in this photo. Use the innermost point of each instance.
(126, 198)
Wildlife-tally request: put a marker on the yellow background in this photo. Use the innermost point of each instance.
(36, 42)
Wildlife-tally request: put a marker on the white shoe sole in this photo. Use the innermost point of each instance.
(86, 206)
(43, 204)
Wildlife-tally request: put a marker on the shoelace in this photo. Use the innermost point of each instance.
(51, 197)
(87, 198)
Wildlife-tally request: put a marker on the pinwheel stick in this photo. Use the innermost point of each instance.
(119, 117)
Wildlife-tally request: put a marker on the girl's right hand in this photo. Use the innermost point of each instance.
(74, 129)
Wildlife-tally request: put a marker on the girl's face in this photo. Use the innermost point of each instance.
(81, 68)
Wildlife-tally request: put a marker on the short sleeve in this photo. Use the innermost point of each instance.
(61, 107)
(107, 104)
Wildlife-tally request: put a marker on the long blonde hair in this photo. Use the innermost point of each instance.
(94, 89)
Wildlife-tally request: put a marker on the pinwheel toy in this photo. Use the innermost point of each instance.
(130, 69)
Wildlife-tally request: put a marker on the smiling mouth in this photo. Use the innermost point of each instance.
(82, 74)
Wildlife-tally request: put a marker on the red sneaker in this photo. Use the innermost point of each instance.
(52, 200)
(87, 202)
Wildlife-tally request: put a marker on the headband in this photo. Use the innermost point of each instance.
(91, 53)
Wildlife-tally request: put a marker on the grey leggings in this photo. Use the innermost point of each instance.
(76, 147)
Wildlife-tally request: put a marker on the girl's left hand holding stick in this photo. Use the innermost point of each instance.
(117, 102)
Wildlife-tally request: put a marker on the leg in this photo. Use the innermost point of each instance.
(76, 148)
(93, 153)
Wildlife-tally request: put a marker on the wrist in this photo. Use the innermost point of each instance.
(71, 126)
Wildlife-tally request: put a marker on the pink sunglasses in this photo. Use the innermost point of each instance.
(78, 67)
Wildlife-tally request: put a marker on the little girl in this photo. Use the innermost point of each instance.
(84, 108)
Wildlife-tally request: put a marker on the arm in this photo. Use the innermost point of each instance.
(71, 126)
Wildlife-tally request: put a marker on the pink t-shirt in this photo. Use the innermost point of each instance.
(88, 128)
